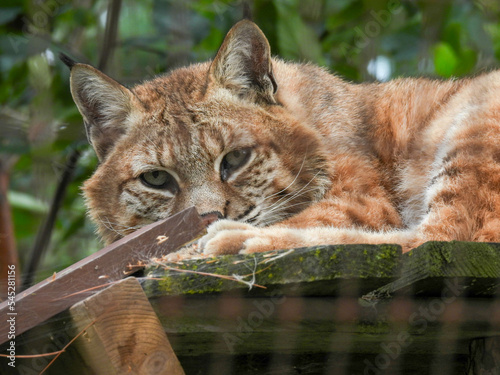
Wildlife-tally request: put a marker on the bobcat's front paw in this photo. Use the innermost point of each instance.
(232, 237)
(226, 237)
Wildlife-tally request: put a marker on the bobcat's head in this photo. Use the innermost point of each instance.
(210, 135)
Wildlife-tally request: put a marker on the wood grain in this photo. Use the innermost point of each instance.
(126, 336)
(430, 268)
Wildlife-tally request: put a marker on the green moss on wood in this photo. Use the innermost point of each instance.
(318, 270)
(426, 269)
(371, 265)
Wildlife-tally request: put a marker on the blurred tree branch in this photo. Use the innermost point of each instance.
(44, 234)
(110, 34)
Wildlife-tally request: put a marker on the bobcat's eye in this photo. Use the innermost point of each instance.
(159, 180)
(232, 161)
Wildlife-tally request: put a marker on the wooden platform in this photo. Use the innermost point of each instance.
(334, 310)
(349, 309)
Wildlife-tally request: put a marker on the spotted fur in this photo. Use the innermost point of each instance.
(403, 162)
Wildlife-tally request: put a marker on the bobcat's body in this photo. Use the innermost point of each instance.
(291, 155)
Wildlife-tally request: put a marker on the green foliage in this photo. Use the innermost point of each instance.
(445, 60)
(40, 125)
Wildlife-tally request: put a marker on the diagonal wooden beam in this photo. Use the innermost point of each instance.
(71, 285)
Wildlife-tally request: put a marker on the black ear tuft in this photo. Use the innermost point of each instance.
(67, 60)
(247, 11)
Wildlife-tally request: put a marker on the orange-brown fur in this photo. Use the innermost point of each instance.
(406, 161)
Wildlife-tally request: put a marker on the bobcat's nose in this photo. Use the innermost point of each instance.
(209, 217)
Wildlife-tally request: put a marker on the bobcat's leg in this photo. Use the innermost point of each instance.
(463, 197)
(346, 219)
(224, 238)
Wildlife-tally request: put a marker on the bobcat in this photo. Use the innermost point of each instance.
(288, 155)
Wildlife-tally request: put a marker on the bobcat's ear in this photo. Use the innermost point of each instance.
(104, 104)
(243, 64)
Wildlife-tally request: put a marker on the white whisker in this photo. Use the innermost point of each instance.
(291, 183)
(279, 210)
(293, 195)
(113, 227)
(278, 205)
(280, 215)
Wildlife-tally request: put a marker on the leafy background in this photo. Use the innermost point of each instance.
(40, 128)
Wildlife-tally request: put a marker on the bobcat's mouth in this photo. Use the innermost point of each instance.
(253, 219)
(211, 217)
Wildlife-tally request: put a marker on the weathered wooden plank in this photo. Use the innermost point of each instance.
(71, 285)
(211, 324)
(322, 363)
(203, 327)
(474, 266)
(126, 336)
(322, 270)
